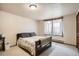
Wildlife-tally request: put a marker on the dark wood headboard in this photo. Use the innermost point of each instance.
(23, 35)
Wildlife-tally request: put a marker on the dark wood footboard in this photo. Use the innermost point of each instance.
(39, 49)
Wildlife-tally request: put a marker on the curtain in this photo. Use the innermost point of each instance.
(57, 27)
(48, 27)
(54, 27)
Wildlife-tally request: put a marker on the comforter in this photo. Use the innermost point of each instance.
(29, 42)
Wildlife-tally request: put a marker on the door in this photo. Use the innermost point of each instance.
(77, 21)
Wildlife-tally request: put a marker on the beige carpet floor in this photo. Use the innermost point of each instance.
(57, 49)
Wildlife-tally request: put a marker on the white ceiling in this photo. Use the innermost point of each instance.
(43, 11)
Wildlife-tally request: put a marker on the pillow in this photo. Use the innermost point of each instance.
(25, 35)
(32, 34)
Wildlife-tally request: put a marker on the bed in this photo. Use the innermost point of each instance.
(33, 44)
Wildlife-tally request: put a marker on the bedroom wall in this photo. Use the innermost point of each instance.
(40, 27)
(11, 24)
(69, 23)
(70, 29)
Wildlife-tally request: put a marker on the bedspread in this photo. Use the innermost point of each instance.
(29, 42)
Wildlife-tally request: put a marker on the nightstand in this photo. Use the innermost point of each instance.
(2, 43)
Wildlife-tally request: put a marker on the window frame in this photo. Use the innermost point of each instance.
(52, 25)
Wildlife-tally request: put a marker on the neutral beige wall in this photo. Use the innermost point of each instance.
(11, 24)
(40, 27)
(69, 23)
(70, 29)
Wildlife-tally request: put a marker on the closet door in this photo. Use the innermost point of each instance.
(77, 21)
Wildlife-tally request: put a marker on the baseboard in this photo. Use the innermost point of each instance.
(13, 45)
(62, 42)
(58, 41)
(70, 44)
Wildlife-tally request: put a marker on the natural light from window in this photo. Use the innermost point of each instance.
(54, 27)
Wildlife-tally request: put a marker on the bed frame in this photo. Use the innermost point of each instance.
(38, 48)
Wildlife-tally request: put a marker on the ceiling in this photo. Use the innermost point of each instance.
(43, 11)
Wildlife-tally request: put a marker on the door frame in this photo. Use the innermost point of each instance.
(77, 30)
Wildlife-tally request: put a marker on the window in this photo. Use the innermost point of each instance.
(48, 27)
(53, 27)
(57, 27)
